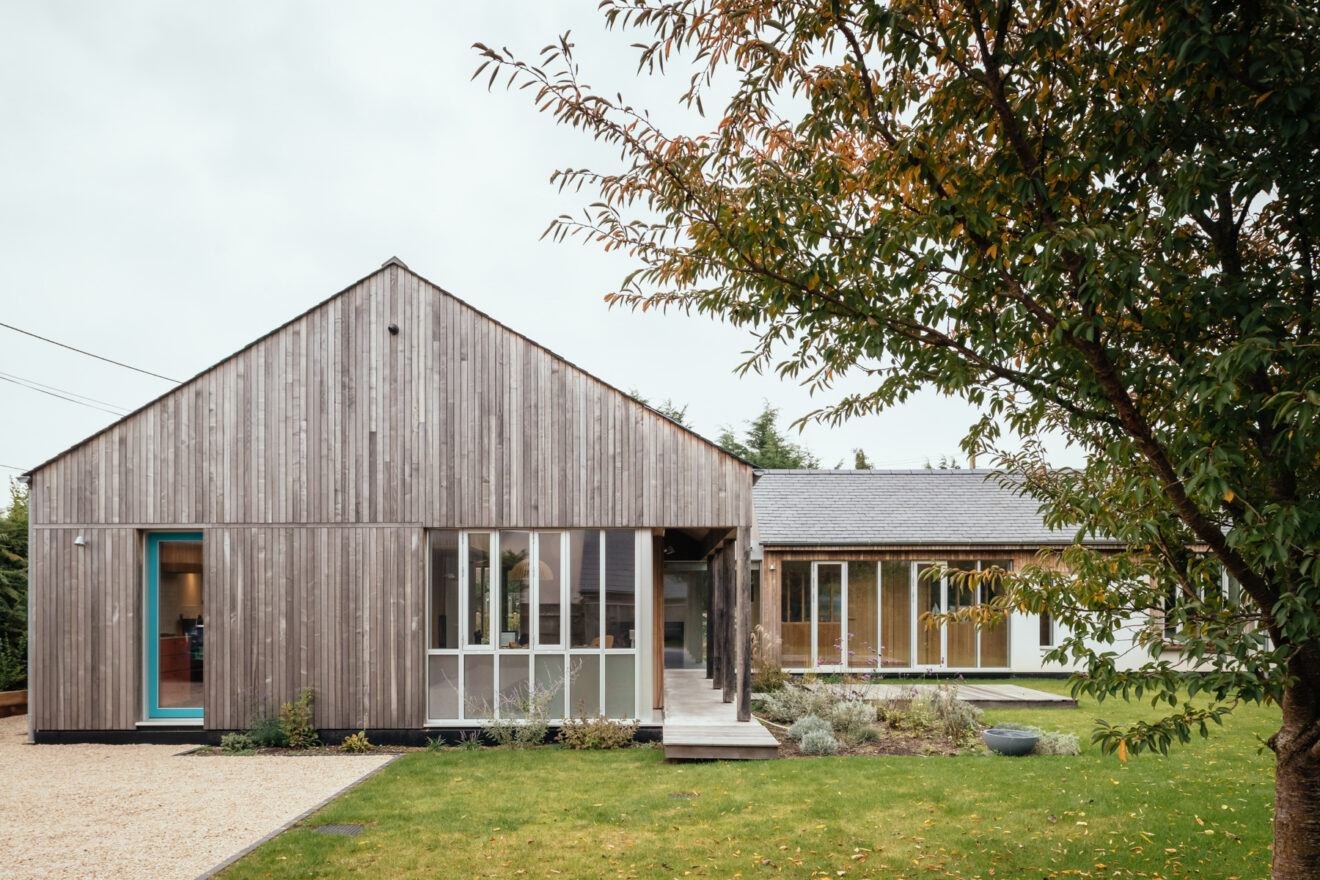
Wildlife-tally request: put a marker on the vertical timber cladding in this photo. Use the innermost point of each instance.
(85, 606)
(313, 461)
(332, 608)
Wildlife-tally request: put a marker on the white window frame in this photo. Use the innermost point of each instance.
(563, 650)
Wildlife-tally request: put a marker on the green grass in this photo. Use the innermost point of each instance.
(1203, 811)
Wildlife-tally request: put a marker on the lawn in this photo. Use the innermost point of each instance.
(1203, 811)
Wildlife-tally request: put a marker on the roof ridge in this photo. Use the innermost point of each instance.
(392, 263)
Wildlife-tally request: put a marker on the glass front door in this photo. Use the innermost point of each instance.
(175, 637)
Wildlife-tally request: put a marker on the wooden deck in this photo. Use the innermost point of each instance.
(984, 696)
(700, 725)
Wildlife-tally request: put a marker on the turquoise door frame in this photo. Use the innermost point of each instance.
(154, 540)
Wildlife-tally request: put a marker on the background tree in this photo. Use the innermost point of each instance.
(765, 446)
(1097, 219)
(668, 409)
(13, 588)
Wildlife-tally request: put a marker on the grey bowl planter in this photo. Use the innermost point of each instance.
(1009, 742)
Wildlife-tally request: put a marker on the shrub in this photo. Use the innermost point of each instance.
(435, 745)
(237, 744)
(852, 718)
(266, 732)
(939, 709)
(1049, 742)
(793, 701)
(767, 676)
(596, 733)
(808, 724)
(296, 721)
(470, 740)
(819, 742)
(356, 742)
(524, 716)
(13, 663)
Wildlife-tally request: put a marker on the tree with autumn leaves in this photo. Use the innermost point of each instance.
(1097, 219)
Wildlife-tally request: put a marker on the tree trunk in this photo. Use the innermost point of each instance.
(1297, 785)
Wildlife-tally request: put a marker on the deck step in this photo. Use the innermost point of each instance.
(733, 742)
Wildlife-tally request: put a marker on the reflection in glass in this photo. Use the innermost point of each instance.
(478, 685)
(620, 589)
(515, 684)
(550, 677)
(442, 686)
(478, 562)
(515, 622)
(444, 591)
(584, 690)
(620, 686)
(584, 586)
(548, 582)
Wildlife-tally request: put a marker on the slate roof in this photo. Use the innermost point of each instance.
(896, 507)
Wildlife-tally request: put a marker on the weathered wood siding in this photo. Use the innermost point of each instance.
(457, 421)
(313, 461)
(86, 605)
(339, 609)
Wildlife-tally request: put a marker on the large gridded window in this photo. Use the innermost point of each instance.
(516, 611)
(884, 605)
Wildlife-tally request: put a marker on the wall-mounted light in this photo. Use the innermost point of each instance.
(80, 541)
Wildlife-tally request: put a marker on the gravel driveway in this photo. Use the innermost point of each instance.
(121, 812)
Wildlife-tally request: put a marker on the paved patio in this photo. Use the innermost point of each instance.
(122, 812)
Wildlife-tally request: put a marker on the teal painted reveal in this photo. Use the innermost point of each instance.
(153, 632)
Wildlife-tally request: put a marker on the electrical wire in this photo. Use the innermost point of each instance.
(10, 467)
(30, 382)
(112, 412)
(89, 354)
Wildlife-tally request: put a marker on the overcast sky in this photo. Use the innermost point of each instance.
(177, 179)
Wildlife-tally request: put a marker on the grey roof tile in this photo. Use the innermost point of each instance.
(897, 507)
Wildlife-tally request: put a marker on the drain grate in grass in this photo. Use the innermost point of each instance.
(345, 830)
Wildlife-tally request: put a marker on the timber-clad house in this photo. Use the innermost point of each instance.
(409, 507)
(395, 500)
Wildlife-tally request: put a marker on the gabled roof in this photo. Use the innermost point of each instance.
(391, 263)
(893, 507)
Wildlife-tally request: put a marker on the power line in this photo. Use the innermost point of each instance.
(89, 354)
(31, 382)
(10, 467)
(61, 396)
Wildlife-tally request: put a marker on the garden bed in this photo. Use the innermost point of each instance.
(824, 718)
(887, 742)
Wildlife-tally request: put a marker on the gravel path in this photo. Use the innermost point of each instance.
(124, 812)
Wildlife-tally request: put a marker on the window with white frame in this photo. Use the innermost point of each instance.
(512, 611)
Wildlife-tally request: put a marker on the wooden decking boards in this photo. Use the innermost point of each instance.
(700, 725)
(984, 696)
